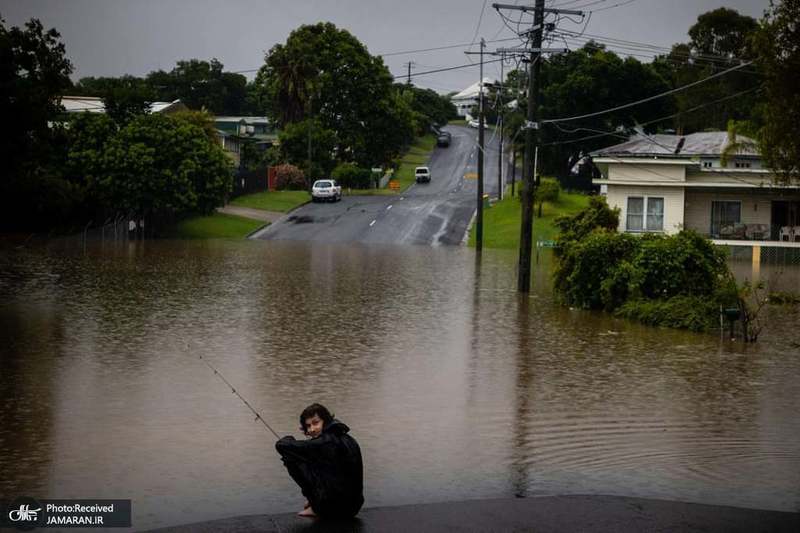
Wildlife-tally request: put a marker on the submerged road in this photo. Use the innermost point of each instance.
(435, 213)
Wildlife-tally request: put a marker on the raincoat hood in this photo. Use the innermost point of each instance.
(337, 427)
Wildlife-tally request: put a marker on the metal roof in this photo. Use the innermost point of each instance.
(94, 104)
(711, 143)
(472, 91)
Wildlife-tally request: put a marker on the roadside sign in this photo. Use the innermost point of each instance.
(394, 185)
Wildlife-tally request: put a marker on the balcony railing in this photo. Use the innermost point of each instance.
(756, 232)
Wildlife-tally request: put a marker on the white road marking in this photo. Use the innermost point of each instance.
(388, 208)
(372, 223)
(402, 197)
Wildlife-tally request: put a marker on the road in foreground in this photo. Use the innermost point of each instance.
(435, 213)
(544, 514)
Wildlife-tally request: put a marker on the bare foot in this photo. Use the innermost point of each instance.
(308, 511)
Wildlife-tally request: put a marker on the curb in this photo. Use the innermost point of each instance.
(257, 233)
(465, 239)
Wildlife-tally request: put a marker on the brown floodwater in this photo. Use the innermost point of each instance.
(456, 387)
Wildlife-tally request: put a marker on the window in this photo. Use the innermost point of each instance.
(724, 215)
(707, 164)
(742, 164)
(635, 212)
(645, 214)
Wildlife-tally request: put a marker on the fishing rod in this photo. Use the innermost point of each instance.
(233, 390)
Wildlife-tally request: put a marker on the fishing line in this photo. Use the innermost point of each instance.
(233, 390)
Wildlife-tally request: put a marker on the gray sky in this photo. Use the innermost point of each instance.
(115, 37)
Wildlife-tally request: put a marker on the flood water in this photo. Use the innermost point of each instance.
(455, 387)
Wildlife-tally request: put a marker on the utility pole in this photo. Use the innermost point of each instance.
(479, 217)
(310, 122)
(526, 225)
(500, 184)
(408, 79)
(479, 228)
(513, 166)
(531, 126)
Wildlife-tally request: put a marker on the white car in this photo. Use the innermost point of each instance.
(422, 174)
(326, 190)
(473, 123)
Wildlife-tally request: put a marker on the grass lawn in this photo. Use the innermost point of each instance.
(417, 156)
(501, 221)
(457, 122)
(281, 201)
(216, 226)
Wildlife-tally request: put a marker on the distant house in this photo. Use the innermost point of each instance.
(94, 104)
(234, 132)
(663, 183)
(468, 98)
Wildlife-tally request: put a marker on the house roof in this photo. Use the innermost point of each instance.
(247, 120)
(472, 91)
(711, 143)
(94, 104)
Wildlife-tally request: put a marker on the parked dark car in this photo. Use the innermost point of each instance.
(443, 139)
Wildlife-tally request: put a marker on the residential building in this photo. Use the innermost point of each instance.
(468, 98)
(234, 132)
(94, 104)
(664, 183)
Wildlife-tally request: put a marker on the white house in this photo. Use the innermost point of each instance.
(94, 104)
(663, 183)
(468, 98)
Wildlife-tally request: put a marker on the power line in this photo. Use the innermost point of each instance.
(648, 99)
(655, 121)
(415, 74)
(445, 47)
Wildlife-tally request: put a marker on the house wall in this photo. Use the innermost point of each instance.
(645, 172)
(673, 203)
(756, 208)
(732, 179)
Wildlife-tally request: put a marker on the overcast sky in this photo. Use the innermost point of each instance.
(116, 37)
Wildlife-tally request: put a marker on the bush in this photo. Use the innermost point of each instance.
(695, 313)
(289, 177)
(596, 215)
(584, 265)
(676, 281)
(351, 176)
(547, 191)
(682, 264)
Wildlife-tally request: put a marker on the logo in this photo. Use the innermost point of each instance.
(25, 514)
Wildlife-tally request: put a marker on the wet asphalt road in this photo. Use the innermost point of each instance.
(435, 213)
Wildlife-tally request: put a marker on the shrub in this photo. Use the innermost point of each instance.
(676, 281)
(584, 265)
(596, 215)
(547, 191)
(696, 313)
(351, 176)
(685, 263)
(289, 177)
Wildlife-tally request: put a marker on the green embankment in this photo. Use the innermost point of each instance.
(281, 201)
(418, 155)
(501, 221)
(216, 226)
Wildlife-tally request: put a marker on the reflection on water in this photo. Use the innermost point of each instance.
(455, 388)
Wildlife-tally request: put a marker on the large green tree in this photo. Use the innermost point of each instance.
(777, 45)
(584, 81)
(202, 85)
(326, 73)
(157, 165)
(34, 73)
(719, 40)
